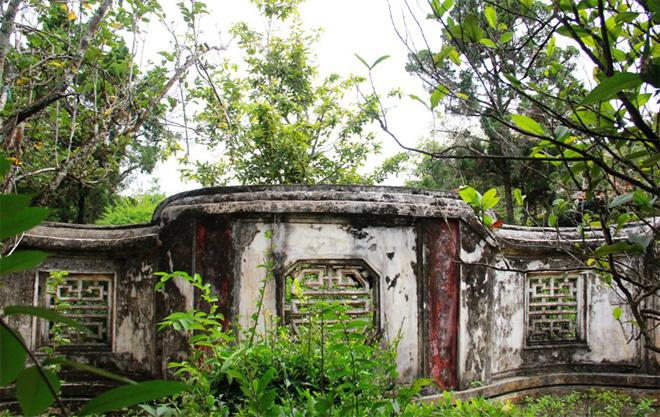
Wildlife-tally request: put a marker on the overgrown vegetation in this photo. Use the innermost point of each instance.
(136, 209)
(331, 366)
(78, 115)
(277, 119)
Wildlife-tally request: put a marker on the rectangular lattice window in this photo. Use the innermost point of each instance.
(88, 299)
(555, 309)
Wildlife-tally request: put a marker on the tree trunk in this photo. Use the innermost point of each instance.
(5, 33)
(508, 192)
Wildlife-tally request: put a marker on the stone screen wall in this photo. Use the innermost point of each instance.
(413, 261)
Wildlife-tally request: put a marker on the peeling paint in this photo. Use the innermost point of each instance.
(459, 320)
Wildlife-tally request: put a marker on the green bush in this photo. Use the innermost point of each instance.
(332, 365)
(131, 210)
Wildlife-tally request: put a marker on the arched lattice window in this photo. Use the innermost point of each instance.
(350, 282)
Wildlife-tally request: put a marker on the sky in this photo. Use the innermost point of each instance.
(349, 27)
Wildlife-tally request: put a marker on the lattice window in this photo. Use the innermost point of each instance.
(348, 282)
(555, 308)
(88, 299)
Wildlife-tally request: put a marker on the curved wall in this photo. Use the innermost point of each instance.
(423, 259)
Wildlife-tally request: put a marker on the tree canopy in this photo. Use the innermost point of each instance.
(275, 118)
(77, 114)
(598, 137)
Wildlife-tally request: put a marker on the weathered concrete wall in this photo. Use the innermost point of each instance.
(458, 295)
(389, 250)
(605, 345)
(126, 257)
(476, 300)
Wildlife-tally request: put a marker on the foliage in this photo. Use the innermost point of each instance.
(331, 365)
(77, 115)
(482, 204)
(38, 386)
(328, 368)
(137, 209)
(599, 143)
(596, 403)
(460, 86)
(277, 122)
(533, 179)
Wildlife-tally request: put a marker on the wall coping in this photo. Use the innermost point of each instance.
(316, 199)
(64, 236)
(333, 200)
(521, 385)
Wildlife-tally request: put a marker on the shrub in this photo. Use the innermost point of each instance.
(332, 365)
(131, 210)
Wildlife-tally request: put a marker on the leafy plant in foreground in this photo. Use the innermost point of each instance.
(325, 368)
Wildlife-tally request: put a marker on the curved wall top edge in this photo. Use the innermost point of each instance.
(349, 195)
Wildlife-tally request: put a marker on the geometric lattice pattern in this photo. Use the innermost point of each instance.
(345, 282)
(554, 308)
(88, 300)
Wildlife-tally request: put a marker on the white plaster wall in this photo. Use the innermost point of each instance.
(606, 340)
(473, 348)
(508, 324)
(299, 241)
(606, 337)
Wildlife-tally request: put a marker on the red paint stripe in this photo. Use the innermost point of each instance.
(441, 246)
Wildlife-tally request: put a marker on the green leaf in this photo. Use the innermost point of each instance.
(21, 221)
(12, 203)
(550, 49)
(491, 16)
(620, 200)
(489, 199)
(438, 94)
(378, 61)
(132, 394)
(611, 86)
(561, 132)
(617, 312)
(43, 313)
(21, 260)
(487, 220)
(5, 165)
(626, 17)
(651, 73)
(362, 60)
(12, 356)
(454, 56)
(32, 390)
(552, 220)
(444, 52)
(439, 9)
(641, 198)
(470, 195)
(618, 247)
(487, 42)
(471, 28)
(265, 380)
(506, 37)
(512, 79)
(416, 98)
(517, 194)
(527, 124)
